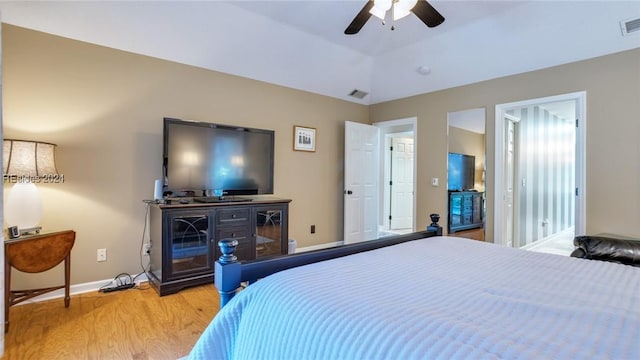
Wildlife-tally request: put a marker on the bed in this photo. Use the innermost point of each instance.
(433, 297)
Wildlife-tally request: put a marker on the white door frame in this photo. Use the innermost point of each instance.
(514, 189)
(413, 123)
(580, 160)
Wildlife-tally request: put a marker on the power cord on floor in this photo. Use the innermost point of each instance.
(122, 281)
(145, 269)
(139, 286)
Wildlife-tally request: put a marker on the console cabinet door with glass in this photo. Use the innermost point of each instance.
(271, 230)
(188, 244)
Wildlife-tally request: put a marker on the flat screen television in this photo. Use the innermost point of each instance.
(203, 159)
(461, 172)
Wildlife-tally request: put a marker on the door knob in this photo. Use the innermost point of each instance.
(348, 192)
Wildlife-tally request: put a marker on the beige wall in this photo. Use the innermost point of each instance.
(104, 109)
(469, 143)
(612, 84)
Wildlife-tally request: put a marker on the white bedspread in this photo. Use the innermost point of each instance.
(440, 297)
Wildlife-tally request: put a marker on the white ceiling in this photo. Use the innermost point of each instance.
(301, 44)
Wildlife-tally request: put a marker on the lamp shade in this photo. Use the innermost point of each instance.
(26, 163)
(28, 158)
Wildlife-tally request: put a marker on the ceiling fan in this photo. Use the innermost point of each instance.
(401, 8)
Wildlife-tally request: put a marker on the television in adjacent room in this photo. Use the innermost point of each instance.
(203, 159)
(461, 172)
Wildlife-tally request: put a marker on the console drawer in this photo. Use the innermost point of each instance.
(233, 217)
(245, 249)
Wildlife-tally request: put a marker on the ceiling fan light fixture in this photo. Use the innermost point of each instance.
(402, 8)
(380, 8)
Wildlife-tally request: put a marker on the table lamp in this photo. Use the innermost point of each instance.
(25, 163)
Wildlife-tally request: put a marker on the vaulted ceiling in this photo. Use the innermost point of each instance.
(301, 44)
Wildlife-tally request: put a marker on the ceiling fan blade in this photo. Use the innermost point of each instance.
(360, 19)
(427, 13)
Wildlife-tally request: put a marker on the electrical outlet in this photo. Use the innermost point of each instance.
(102, 255)
(146, 249)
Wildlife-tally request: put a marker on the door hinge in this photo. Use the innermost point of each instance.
(390, 148)
(577, 122)
(390, 183)
(389, 217)
(577, 192)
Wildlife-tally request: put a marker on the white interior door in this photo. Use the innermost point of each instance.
(361, 174)
(402, 184)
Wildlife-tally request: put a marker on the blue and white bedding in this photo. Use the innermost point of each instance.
(440, 297)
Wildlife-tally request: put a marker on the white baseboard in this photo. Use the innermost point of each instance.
(78, 289)
(96, 285)
(318, 247)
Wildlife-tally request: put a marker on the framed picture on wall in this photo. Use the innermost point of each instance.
(304, 138)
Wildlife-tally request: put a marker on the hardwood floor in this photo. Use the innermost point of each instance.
(475, 234)
(130, 324)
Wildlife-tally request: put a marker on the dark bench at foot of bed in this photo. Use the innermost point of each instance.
(230, 273)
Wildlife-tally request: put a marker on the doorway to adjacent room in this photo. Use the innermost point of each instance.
(398, 164)
(398, 183)
(384, 203)
(540, 173)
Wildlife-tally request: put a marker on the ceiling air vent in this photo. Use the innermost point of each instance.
(358, 93)
(630, 26)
